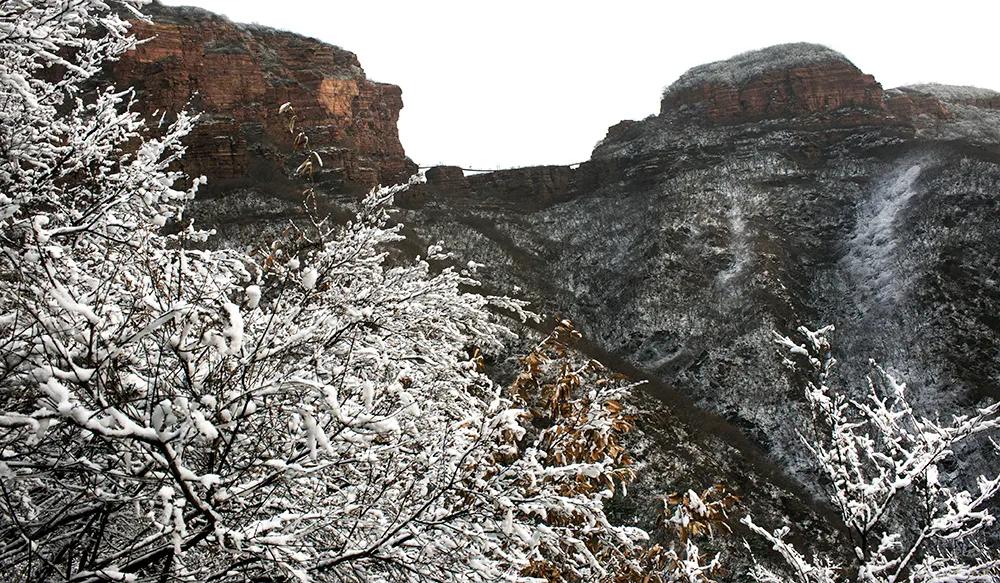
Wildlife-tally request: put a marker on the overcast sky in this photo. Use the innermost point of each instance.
(525, 82)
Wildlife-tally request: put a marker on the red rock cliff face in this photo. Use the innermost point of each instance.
(239, 76)
(779, 82)
(803, 90)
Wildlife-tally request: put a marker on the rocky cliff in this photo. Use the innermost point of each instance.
(778, 82)
(778, 188)
(238, 75)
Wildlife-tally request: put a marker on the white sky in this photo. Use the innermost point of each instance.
(524, 82)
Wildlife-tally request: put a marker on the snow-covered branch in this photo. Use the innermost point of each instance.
(170, 413)
(910, 518)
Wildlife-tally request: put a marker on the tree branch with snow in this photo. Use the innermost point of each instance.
(883, 467)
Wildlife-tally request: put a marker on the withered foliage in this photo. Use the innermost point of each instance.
(576, 404)
(576, 408)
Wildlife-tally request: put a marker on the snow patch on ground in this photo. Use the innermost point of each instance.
(739, 239)
(871, 248)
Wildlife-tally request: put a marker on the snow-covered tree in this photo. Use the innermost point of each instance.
(315, 412)
(891, 475)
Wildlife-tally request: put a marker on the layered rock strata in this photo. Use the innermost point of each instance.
(238, 76)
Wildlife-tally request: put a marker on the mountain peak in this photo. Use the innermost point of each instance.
(740, 69)
(781, 81)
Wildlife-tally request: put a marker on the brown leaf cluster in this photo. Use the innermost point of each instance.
(574, 406)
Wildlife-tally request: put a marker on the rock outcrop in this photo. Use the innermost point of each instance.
(809, 85)
(532, 187)
(238, 75)
(782, 81)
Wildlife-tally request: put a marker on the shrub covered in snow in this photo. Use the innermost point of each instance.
(889, 474)
(169, 413)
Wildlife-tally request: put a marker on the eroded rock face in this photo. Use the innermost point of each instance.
(238, 76)
(782, 81)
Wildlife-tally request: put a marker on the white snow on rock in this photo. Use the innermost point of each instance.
(952, 93)
(971, 118)
(745, 66)
(739, 238)
(871, 258)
